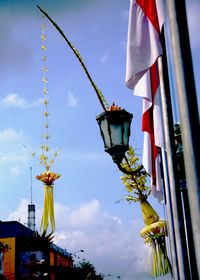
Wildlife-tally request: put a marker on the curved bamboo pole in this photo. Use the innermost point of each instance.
(99, 94)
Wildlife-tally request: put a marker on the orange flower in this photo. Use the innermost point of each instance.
(114, 107)
(48, 177)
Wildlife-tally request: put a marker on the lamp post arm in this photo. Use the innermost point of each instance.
(134, 171)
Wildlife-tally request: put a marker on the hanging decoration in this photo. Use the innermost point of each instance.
(47, 177)
(155, 230)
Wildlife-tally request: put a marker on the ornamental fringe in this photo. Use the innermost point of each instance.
(48, 210)
(154, 233)
(48, 178)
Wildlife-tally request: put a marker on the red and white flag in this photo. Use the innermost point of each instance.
(143, 50)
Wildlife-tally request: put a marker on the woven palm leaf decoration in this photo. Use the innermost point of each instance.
(47, 177)
(155, 230)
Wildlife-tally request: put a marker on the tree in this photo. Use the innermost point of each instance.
(84, 270)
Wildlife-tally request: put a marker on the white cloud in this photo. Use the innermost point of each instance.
(9, 134)
(72, 101)
(107, 243)
(11, 164)
(14, 100)
(20, 214)
(10, 158)
(15, 170)
(85, 215)
(113, 248)
(12, 155)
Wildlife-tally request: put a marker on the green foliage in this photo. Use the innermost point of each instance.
(87, 270)
(136, 185)
(44, 237)
(4, 247)
(84, 270)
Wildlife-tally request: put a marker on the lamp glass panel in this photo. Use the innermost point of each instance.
(126, 132)
(104, 128)
(116, 134)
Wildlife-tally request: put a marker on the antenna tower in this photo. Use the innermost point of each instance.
(31, 209)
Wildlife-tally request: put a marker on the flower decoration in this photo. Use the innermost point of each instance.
(114, 107)
(48, 177)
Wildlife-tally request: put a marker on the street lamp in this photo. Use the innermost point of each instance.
(115, 131)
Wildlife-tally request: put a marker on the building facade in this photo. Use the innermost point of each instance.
(27, 255)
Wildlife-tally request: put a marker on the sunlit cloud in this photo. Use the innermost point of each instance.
(72, 100)
(14, 100)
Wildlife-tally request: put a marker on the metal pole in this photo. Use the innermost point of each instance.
(189, 116)
(185, 201)
(176, 203)
(170, 220)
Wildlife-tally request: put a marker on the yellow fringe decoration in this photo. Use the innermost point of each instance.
(154, 233)
(48, 178)
(48, 210)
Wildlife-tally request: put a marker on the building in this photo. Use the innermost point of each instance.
(29, 255)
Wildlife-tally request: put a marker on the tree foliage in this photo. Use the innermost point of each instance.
(84, 270)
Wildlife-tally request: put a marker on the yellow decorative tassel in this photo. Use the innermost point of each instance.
(48, 210)
(154, 233)
(48, 178)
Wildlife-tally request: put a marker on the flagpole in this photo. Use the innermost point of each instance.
(189, 116)
(170, 220)
(180, 198)
(177, 221)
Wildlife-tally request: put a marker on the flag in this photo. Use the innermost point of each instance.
(143, 50)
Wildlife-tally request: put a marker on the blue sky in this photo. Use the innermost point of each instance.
(87, 215)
